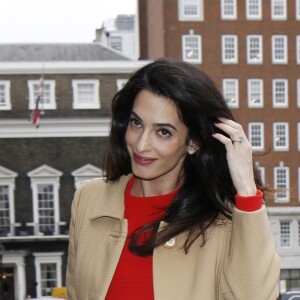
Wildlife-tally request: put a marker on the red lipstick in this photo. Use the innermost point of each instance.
(143, 160)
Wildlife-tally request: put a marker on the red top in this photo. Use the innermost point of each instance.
(133, 277)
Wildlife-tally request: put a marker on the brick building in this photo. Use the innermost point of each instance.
(251, 48)
(40, 167)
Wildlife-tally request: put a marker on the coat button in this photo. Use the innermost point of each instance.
(171, 243)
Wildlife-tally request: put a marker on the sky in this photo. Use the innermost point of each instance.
(50, 21)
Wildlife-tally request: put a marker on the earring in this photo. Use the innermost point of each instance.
(191, 151)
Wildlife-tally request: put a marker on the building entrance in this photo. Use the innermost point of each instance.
(7, 288)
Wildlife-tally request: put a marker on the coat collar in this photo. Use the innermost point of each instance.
(110, 199)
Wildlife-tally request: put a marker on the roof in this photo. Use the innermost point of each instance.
(58, 52)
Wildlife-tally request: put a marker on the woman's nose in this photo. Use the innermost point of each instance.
(143, 142)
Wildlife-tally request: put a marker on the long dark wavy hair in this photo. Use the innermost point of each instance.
(207, 192)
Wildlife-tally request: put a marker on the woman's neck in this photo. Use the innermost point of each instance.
(149, 188)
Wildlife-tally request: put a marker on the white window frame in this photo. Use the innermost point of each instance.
(298, 177)
(7, 178)
(47, 258)
(280, 94)
(298, 126)
(290, 239)
(199, 16)
(252, 16)
(6, 87)
(261, 137)
(298, 92)
(233, 84)
(284, 138)
(255, 89)
(45, 175)
(224, 14)
(282, 16)
(96, 98)
(187, 49)
(120, 83)
(258, 59)
(282, 40)
(298, 48)
(33, 97)
(282, 196)
(233, 59)
(297, 9)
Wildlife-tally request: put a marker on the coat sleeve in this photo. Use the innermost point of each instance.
(70, 277)
(251, 269)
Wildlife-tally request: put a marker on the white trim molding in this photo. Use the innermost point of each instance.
(64, 127)
(82, 67)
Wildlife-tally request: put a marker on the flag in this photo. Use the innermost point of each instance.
(35, 116)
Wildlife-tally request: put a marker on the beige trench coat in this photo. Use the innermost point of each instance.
(237, 262)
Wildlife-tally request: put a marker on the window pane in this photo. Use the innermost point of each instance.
(86, 93)
(46, 208)
(4, 210)
(191, 8)
(192, 48)
(48, 278)
(285, 234)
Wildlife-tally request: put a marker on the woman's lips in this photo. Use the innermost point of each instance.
(143, 160)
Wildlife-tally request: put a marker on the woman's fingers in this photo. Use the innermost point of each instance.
(239, 155)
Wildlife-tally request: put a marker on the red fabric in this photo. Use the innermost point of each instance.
(249, 203)
(133, 277)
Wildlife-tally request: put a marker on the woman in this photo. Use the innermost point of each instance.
(180, 214)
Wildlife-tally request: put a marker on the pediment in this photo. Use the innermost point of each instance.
(44, 171)
(88, 170)
(6, 173)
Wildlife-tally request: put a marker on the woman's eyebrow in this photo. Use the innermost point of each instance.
(134, 114)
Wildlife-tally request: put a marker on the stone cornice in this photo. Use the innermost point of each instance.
(62, 127)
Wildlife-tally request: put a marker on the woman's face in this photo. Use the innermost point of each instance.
(156, 139)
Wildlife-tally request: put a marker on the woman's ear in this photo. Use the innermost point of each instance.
(192, 148)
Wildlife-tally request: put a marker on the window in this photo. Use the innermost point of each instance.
(254, 49)
(45, 187)
(116, 42)
(278, 9)
(121, 83)
(256, 135)
(86, 94)
(255, 93)
(281, 183)
(253, 9)
(285, 234)
(228, 9)
(298, 48)
(48, 272)
(47, 91)
(5, 95)
(7, 210)
(279, 49)
(231, 92)
(297, 9)
(281, 136)
(280, 93)
(261, 171)
(229, 49)
(191, 48)
(190, 10)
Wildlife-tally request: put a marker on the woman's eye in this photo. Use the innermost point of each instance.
(164, 133)
(134, 122)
